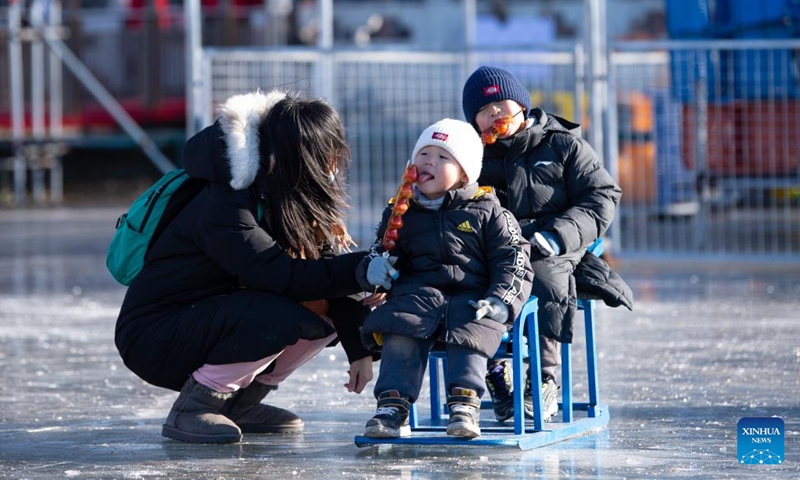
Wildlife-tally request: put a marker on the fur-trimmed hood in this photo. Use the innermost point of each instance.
(227, 152)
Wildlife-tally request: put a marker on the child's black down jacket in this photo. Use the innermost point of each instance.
(468, 250)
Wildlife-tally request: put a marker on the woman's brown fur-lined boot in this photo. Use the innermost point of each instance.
(247, 411)
(196, 416)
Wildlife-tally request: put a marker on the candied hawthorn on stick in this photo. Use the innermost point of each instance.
(404, 193)
(400, 206)
(498, 129)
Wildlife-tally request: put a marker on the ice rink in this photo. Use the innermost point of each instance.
(707, 344)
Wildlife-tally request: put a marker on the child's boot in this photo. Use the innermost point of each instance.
(247, 411)
(196, 416)
(549, 398)
(498, 382)
(391, 418)
(465, 410)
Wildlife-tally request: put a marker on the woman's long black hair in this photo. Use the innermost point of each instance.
(303, 147)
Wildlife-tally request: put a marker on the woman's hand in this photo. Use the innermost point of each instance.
(360, 375)
(375, 300)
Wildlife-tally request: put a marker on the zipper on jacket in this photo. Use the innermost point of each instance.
(440, 231)
(509, 194)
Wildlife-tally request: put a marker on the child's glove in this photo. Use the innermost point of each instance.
(490, 307)
(546, 243)
(380, 271)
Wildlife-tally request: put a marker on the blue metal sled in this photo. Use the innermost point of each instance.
(577, 418)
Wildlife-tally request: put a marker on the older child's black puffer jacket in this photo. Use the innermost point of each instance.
(552, 180)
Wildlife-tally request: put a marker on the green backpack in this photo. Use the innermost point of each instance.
(147, 217)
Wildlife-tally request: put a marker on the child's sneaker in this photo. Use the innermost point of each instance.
(498, 382)
(391, 418)
(549, 399)
(465, 410)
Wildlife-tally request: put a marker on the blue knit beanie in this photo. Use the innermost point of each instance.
(492, 84)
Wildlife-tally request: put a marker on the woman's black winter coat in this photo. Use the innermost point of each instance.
(216, 269)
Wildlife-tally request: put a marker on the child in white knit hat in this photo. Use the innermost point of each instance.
(459, 271)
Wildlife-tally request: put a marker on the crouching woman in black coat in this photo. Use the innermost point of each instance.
(243, 286)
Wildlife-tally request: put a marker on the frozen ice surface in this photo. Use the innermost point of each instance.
(707, 344)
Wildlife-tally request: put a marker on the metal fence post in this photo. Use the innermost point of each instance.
(612, 151)
(194, 79)
(16, 74)
(701, 150)
(324, 75)
(36, 158)
(596, 39)
(56, 109)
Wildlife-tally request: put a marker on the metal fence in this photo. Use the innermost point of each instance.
(137, 55)
(703, 137)
(706, 149)
(386, 99)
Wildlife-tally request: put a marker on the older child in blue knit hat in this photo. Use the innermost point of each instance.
(557, 188)
(464, 272)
